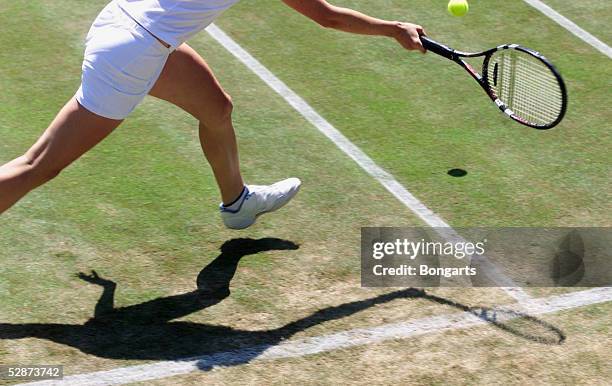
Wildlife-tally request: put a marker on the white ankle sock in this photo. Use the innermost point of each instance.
(235, 205)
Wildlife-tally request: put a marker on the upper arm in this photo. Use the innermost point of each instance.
(319, 11)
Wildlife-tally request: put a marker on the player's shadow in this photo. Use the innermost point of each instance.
(147, 330)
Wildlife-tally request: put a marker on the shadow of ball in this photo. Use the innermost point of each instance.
(457, 173)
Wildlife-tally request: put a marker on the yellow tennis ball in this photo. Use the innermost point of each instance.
(458, 7)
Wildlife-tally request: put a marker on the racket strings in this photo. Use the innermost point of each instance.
(531, 91)
(546, 84)
(527, 90)
(526, 86)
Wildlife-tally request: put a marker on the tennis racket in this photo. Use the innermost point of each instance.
(522, 82)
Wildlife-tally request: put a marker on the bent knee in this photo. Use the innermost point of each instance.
(219, 113)
(224, 108)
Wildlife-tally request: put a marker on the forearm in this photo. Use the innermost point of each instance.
(352, 21)
(344, 19)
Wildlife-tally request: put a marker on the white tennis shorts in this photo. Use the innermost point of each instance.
(122, 63)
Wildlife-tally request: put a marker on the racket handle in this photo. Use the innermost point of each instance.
(438, 48)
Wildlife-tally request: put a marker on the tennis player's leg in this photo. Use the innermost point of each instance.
(188, 82)
(73, 132)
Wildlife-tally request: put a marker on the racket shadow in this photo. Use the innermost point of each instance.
(517, 323)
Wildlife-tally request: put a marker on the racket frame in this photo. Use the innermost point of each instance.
(483, 79)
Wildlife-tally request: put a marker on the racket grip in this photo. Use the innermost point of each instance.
(438, 48)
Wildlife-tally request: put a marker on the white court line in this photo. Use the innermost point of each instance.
(571, 27)
(362, 159)
(319, 344)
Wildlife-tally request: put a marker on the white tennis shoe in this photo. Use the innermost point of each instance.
(259, 200)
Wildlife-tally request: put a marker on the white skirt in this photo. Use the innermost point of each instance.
(122, 63)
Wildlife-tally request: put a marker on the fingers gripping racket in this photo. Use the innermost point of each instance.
(521, 82)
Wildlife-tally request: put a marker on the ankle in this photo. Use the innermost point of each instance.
(237, 200)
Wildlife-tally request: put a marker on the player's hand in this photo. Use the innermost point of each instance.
(408, 35)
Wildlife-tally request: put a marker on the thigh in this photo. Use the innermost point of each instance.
(188, 82)
(72, 133)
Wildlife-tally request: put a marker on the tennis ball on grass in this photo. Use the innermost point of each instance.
(458, 7)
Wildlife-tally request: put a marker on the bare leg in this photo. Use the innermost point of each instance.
(188, 82)
(72, 133)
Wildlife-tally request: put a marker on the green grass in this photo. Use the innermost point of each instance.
(141, 208)
(418, 116)
(591, 15)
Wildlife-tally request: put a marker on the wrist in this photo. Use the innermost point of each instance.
(391, 29)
